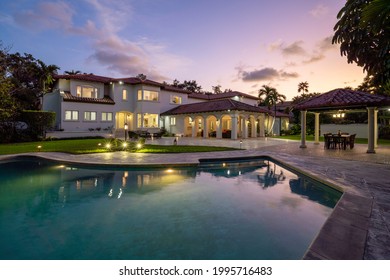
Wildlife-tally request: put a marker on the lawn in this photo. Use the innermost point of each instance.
(311, 138)
(85, 146)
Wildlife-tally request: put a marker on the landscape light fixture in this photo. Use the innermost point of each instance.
(126, 128)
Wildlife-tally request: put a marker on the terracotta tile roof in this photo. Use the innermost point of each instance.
(84, 77)
(213, 106)
(343, 98)
(135, 81)
(223, 95)
(129, 80)
(68, 97)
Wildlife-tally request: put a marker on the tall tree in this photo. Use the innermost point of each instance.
(29, 78)
(217, 89)
(304, 87)
(271, 98)
(46, 78)
(187, 85)
(363, 32)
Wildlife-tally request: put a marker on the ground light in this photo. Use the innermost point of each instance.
(126, 127)
(139, 146)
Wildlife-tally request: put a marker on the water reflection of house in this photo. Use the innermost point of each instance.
(227, 168)
(78, 183)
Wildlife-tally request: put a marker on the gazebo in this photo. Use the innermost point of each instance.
(343, 100)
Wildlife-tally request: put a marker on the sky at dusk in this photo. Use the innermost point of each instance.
(240, 45)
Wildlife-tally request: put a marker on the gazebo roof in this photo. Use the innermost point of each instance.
(343, 99)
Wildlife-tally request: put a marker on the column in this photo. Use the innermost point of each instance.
(205, 128)
(246, 123)
(234, 127)
(219, 128)
(376, 127)
(317, 129)
(371, 130)
(262, 125)
(253, 128)
(303, 129)
(194, 127)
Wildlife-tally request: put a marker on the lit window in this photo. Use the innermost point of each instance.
(173, 121)
(106, 116)
(71, 115)
(150, 120)
(90, 116)
(148, 95)
(147, 120)
(86, 91)
(124, 94)
(175, 99)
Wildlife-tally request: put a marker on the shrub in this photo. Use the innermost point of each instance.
(384, 132)
(37, 123)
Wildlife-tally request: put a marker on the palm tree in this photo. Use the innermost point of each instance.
(46, 77)
(304, 87)
(272, 97)
(72, 72)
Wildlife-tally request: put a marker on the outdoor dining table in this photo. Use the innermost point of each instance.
(338, 141)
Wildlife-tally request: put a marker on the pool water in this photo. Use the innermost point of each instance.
(244, 210)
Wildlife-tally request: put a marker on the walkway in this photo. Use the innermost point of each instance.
(358, 227)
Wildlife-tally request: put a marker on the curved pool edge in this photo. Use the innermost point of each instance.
(342, 237)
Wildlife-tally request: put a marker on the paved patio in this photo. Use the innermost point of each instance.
(359, 227)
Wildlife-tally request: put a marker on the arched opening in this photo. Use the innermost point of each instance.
(188, 126)
(199, 126)
(226, 122)
(211, 126)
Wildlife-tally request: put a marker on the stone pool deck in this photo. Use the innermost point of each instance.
(359, 227)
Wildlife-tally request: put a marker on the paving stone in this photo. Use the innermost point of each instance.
(363, 177)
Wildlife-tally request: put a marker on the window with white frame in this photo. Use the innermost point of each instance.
(147, 120)
(175, 99)
(124, 94)
(89, 116)
(106, 116)
(71, 115)
(87, 91)
(172, 121)
(147, 95)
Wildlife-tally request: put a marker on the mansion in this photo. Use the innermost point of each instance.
(85, 102)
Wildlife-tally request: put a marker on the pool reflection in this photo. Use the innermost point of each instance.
(241, 210)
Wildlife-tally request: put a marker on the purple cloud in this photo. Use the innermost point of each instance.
(265, 74)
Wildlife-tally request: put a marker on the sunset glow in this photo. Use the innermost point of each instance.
(239, 45)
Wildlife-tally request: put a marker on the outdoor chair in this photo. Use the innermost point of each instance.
(351, 141)
(158, 134)
(327, 140)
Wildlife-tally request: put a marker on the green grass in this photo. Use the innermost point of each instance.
(85, 146)
(311, 138)
(181, 149)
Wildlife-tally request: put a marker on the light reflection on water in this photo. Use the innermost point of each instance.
(219, 211)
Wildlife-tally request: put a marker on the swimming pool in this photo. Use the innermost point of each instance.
(220, 210)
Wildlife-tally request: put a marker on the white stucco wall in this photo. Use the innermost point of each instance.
(361, 130)
(81, 124)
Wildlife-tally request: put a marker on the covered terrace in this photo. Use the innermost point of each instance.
(344, 101)
(224, 118)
